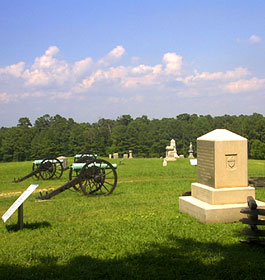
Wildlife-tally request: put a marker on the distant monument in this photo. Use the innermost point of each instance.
(130, 154)
(64, 160)
(222, 188)
(190, 151)
(115, 155)
(171, 151)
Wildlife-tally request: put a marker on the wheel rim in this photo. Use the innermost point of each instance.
(96, 179)
(34, 167)
(47, 169)
(72, 175)
(58, 169)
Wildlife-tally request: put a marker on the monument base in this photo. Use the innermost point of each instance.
(210, 214)
(170, 159)
(221, 196)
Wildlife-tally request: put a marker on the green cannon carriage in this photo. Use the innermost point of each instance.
(45, 169)
(94, 177)
(84, 157)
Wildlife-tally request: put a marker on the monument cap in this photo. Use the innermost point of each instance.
(221, 135)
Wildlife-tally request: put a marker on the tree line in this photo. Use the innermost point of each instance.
(51, 136)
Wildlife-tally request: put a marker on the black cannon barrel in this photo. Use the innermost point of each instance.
(64, 187)
(34, 172)
(95, 177)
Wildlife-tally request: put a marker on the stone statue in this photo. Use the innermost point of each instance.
(190, 151)
(171, 151)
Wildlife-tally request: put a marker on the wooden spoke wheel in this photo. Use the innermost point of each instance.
(34, 167)
(72, 175)
(98, 177)
(58, 168)
(50, 168)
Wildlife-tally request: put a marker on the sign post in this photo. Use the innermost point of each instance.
(18, 204)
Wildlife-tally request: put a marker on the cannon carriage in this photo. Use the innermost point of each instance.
(49, 168)
(93, 177)
(87, 174)
(45, 169)
(78, 158)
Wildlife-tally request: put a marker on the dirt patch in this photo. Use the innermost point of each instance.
(18, 193)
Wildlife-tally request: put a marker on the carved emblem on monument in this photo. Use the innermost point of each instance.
(231, 161)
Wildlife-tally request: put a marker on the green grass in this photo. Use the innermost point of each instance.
(135, 233)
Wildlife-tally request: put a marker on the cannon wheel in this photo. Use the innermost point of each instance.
(58, 169)
(96, 180)
(50, 167)
(34, 167)
(73, 174)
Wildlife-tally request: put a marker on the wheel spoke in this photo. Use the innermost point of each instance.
(99, 181)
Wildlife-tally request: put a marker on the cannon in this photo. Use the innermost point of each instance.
(44, 169)
(84, 157)
(94, 177)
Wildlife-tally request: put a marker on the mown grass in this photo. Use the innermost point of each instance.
(135, 233)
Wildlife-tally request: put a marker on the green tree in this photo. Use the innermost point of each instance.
(257, 149)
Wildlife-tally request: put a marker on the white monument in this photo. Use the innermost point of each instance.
(190, 151)
(171, 151)
(222, 188)
(115, 155)
(64, 160)
(130, 154)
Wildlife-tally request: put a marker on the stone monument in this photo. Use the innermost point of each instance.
(64, 160)
(130, 154)
(222, 188)
(125, 155)
(190, 151)
(115, 155)
(171, 151)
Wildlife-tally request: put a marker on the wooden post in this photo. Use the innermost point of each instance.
(20, 216)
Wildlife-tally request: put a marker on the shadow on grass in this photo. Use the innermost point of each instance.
(15, 227)
(180, 259)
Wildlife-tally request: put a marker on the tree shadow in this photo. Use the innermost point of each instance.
(180, 259)
(32, 226)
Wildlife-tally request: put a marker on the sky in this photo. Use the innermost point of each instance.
(88, 60)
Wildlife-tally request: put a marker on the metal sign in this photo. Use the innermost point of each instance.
(19, 201)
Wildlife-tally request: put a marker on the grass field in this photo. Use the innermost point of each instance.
(135, 233)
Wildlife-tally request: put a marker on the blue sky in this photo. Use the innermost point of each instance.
(101, 59)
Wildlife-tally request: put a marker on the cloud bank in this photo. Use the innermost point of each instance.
(110, 78)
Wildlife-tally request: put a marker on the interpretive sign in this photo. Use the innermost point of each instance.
(193, 162)
(19, 201)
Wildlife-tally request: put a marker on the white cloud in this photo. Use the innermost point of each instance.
(9, 97)
(124, 100)
(13, 70)
(173, 63)
(112, 56)
(142, 75)
(246, 85)
(82, 66)
(117, 52)
(254, 39)
(237, 73)
(4, 98)
(47, 70)
(50, 77)
(47, 60)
